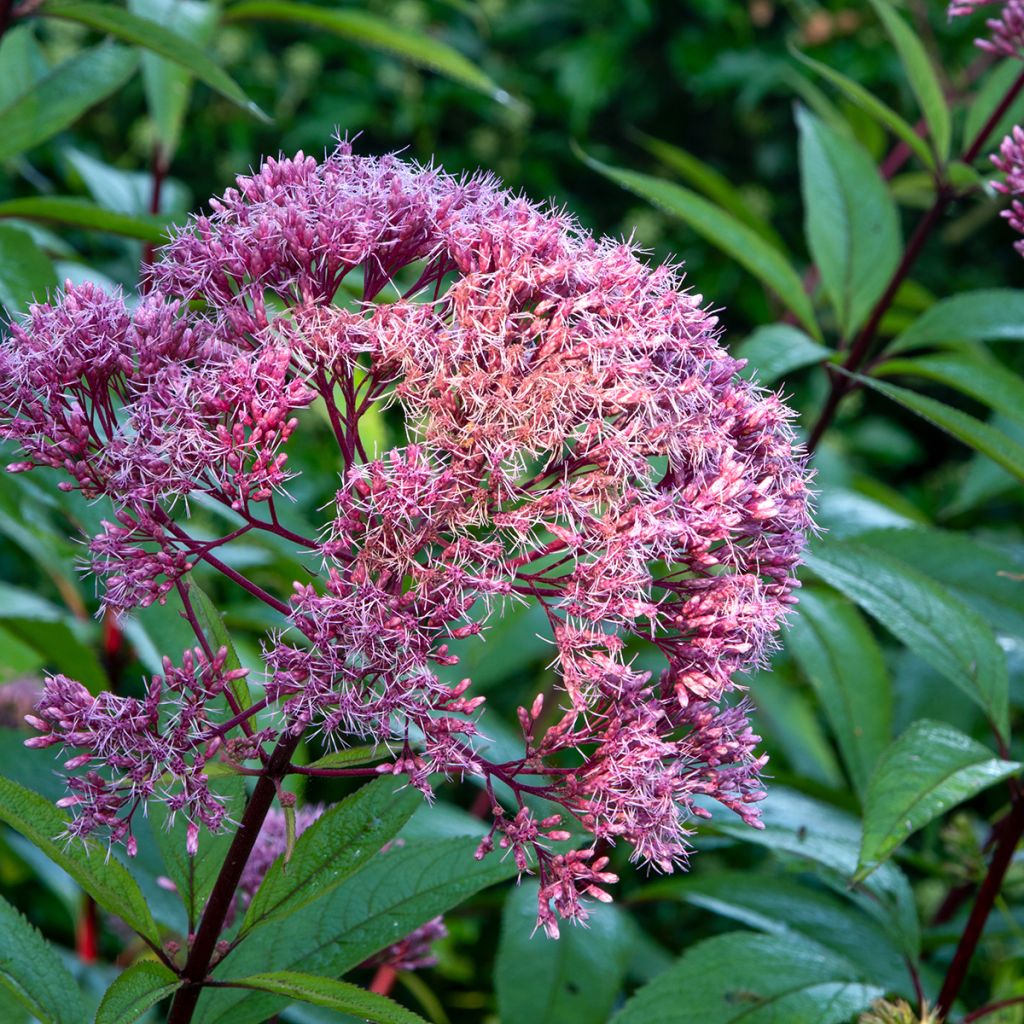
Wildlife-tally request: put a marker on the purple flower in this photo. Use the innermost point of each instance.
(1010, 161)
(1006, 30)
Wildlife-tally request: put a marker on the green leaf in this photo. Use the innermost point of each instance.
(722, 230)
(135, 990)
(777, 350)
(335, 995)
(168, 85)
(100, 874)
(335, 846)
(814, 832)
(212, 623)
(874, 107)
(26, 273)
(67, 92)
(842, 661)
(972, 432)
(395, 892)
(990, 314)
(350, 757)
(80, 213)
(782, 906)
(755, 979)
(376, 33)
(22, 63)
(576, 978)
(713, 184)
(934, 624)
(994, 88)
(33, 972)
(976, 374)
(850, 219)
(127, 192)
(157, 38)
(922, 76)
(930, 769)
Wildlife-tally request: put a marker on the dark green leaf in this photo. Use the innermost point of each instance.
(67, 92)
(369, 30)
(335, 846)
(34, 973)
(929, 770)
(80, 213)
(22, 63)
(137, 989)
(350, 757)
(990, 314)
(576, 978)
(842, 661)
(754, 979)
(934, 624)
(212, 623)
(157, 38)
(777, 350)
(101, 875)
(26, 273)
(850, 219)
(994, 88)
(725, 232)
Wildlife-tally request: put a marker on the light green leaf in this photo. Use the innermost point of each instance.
(33, 972)
(135, 990)
(127, 192)
(80, 213)
(990, 314)
(755, 979)
(722, 230)
(350, 757)
(157, 38)
(777, 350)
(922, 76)
(874, 107)
(850, 219)
(842, 661)
(929, 770)
(973, 432)
(335, 846)
(26, 273)
(335, 995)
(933, 623)
(376, 33)
(101, 875)
(576, 978)
(60, 99)
(212, 623)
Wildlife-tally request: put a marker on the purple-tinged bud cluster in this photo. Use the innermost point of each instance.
(1010, 161)
(1006, 29)
(576, 438)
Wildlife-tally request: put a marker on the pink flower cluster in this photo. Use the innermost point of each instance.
(1006, 29)
(577, 438)
(1010, 161)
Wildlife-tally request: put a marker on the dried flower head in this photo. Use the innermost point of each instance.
(577, 438)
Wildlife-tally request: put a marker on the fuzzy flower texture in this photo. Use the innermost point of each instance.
(576, 439)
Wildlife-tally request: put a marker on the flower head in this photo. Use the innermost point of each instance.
(1006, 29)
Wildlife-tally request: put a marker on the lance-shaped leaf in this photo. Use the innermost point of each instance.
(850, 219)
(80, 213)
(929, 770)
(60, 99)
(990, 314)
(33, 972)
(332, 849)
(777, 350)
(211, 621)
(100, 874)
(26, 273)
(135, 990)
(932, 622)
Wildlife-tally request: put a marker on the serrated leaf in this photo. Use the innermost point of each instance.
(376, 33)
(921, 74)
(26, 273)
(67, 92)
(335, 995)
(989, 314)
(100, 874)
(381, 903)
(212, 623)
(874, 107)
(932, 622)
(972, 432)
(722, 230)
(576, 978)
(930, 769)
(777, 350)
(850, 220)
(350, 757)
(754, 979)
(33, 972)
(335, 846)
(80, 213)
(157, 38)
(135, 990)
(843, 662)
